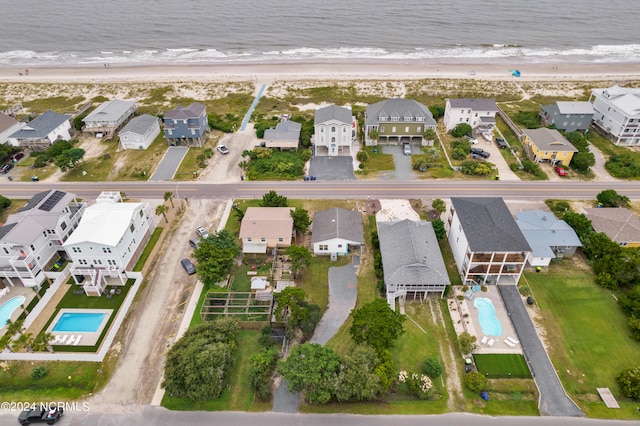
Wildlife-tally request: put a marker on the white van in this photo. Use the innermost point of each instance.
(406, 149)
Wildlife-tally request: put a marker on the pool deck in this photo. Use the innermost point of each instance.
(465, 318)
(78, 338)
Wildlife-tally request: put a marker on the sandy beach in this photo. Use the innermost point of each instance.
(296, 71)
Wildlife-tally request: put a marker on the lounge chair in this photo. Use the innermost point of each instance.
(72, 340)
(510, 343)
(109, 296)
(59, 339)
(484, 340)
(491, 342)
(118, 291)
(512, 340)
(78, 340)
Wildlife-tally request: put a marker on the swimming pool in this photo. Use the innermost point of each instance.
(489, 323)
(79, 322)
(8, 307)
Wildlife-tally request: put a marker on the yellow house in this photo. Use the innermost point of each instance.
(547, 145)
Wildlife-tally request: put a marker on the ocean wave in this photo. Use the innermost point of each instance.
(597, 53)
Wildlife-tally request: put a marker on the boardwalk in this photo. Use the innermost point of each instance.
(252, 107)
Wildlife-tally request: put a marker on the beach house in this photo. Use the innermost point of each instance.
(335, 231)
(32, 239)
(334, 130)
(397, 121)
(108, 117)
(265, 228)
(619, 224)
(547, 145)
(286, 135)
(108, 242)
(186, 125)
(487, 244)
(479, 113)
(617, 113)
(139, 132)
(42, 131)
(8, 126)
(411, 260)
(567, 116)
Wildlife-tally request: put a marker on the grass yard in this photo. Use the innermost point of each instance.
(590, 334)
(496, 366)
(314, 279)
(238, 395)
(377, 161)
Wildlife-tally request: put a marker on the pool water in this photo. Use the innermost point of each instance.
(79, 322)
(489, 323)
(8, 307)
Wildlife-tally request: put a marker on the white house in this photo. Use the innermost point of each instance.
(335, 230)
(334, 130)
(486, 242)
(480, 113)
(139, 132)
(42, 131)
(411, 260)
(108, 241)
(108, 117)
(286, 135)
(8, 126)
(32, 239)
(617, 113)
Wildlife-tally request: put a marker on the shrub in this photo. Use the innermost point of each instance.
(476, 381)
(38, 372)
(527, 119)
(629, 381)
(262, 366)
(432, 368)
(362, 156)
(466, 343)
(461, 130)
(626, 165)
(458, 154)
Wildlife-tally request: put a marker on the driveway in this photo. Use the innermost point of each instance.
(402, 163)
(170, 163)
(553, 398)
(332, 168)
(496, 158)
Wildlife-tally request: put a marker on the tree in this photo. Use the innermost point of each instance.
(168, 196)
(439, 206)
(272, 199)
(462, 129)
(429, 134)
(311, 369)
(467, 343)
(432, 367)
(215, 256)
(301, 220)
(377, 325)
(476, 381)
(629, 381)
(244, 165)
(581, 161)
(579, 222)
(290, 306)
(4, 202)
(374, 134)
(610, 198)
(161, 209)
(238, 212)
(69, 158)
(41, 341)
(357, 379)
(300, 258)
(262, 365)
(197, 365)
(433, 153)
(438, 228)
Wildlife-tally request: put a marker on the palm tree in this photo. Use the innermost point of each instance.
(6, 343)
(22, 341)
(162, 210)
(14, 327)
(374, 134)
(244, 165)
(41, 341)
(169, 196)
(123, 195)
(429, 134)
(439, 206)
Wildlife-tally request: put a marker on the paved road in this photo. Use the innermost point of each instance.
(170, 163)
(531, 190)
(160, 416)
(553, 399)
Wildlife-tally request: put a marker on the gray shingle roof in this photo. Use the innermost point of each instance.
(476, 104)
(565, 107)
(109, 110)
(285, 131)
(549, 140)
(398, 108)
(41, 126)
(194, 110)
(619, 224)
(488, 225)
(140, 124)
(333, 112)
(411, 254)
(543, 230)
(337, 223)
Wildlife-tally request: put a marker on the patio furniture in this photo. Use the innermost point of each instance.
(118, 291)
(59, 339)
(510, 343)
(491, 342)
(512, 340)
(78, 340)
(109, 296)
(484, 340)
(468, 294)
(78, 291)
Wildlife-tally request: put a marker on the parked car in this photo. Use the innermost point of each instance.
(195, 243)
(40, 415)
(560, 171)
(406, 149)
(222, 149)
(202, 233)
(16, 156)
(501, 143)
(476, 151)
(6, 168)
(484, 154)
(471, 139)
(188, 266)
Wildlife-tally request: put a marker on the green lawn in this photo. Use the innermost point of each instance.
(314, 279)
(591, 341)
(377, 161)
(238, 395)
(502, 366)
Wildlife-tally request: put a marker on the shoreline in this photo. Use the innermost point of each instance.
(322, 70)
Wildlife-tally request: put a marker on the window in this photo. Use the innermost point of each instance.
(406, 129)
(382, 129)
(393, 129)
(476, 114)
(32, 247)
(106, 249)
(5, 250)
(141, 214)
(132, 228)
(339, 245)
(76, 249)
(321, 129)
(323, 247)
(248, 239)
(263, 239)
(280, 239)
(333, 129)
(344, 130)
(63, 225)
(418, 129)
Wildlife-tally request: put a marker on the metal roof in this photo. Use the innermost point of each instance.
(41, 126)
(109, 111)
(549, 140)
(543, 230)
(337, 223)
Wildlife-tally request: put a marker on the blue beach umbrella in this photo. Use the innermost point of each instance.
(515, 73)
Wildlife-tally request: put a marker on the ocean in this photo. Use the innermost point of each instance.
(147, 32)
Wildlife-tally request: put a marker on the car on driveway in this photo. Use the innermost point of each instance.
(6, 168)
(202, 233)
(40, 415)
(560, 171)
(16, 156)
(222, 149)
(472, 140)
(501, 143)
(188, 266)
(406, 149)
(476, 151)
(195, 243)
(484, 154)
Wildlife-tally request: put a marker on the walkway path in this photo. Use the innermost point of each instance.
(553, 398)
(252, 107)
